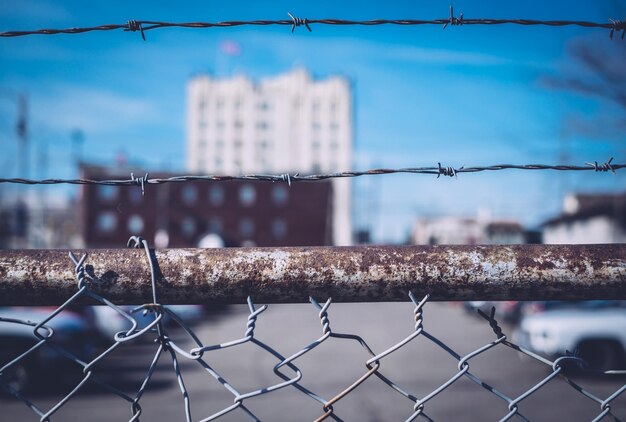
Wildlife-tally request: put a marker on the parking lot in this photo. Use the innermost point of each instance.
(419, 367)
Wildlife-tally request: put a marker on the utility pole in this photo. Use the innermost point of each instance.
(18, 230)
(78, 138)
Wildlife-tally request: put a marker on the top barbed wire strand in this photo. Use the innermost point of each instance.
(146, 25)
(439, 170)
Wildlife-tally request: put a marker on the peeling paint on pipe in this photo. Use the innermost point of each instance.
(347, 274)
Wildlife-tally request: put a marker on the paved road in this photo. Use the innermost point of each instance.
(419, 367)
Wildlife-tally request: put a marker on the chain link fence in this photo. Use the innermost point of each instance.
(287, 366)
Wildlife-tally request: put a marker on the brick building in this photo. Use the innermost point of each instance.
(182, 214)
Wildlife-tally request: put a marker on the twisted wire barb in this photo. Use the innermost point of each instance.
(142, 26)
(438, 171)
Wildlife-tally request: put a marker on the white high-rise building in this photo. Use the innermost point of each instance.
(286, 124)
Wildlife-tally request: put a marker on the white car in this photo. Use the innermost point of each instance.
(597, 331)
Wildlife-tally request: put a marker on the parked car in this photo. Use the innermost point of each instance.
(597, 329)
(72, 332)
(508, 311)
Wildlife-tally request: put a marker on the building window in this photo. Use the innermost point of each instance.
(220, 124)
(106, 222)
(215, 225)
(135, 224)
(190, 194)
(238, 103)
(201, 105)
(107, 192)
(216, 195)
(238, 124)
(247, 195)
(246, 227)
(316, 126)
(264, 105)
(334, 126)
(161, 239)
(188, 226)
(263, 145)
(262, 125)
(279, 228)
(219, 104)
(280, 195)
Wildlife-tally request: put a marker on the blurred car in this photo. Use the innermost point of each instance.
(597, 329)
(508, 311)
(189, 314)
(72, 333)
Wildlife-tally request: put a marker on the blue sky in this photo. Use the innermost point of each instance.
(471, 95)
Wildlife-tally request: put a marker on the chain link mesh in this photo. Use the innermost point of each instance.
(287, 367)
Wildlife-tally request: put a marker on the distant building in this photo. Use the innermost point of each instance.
(193, 214)
(287, 124)
(588, 218)
(466, 231)
(447, 231)
(505, 233)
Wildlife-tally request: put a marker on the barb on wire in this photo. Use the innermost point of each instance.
(618, 25)
(438, 171)
(140, 181)
(132, 25)
(603, 167)
(297, 22)
(454, 20)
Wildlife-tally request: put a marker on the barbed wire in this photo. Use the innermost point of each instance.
(43, 335)
(142, 26)
(438, 170)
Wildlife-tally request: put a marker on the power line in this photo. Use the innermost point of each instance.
(142, 26)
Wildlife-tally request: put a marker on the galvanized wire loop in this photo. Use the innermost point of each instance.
(297, 22)
(446, 171)
(133, 26)
(454, 21)
(140, 181)
(607, 166)
(618, 25)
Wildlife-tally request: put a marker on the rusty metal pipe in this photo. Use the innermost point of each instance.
(347, 274)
